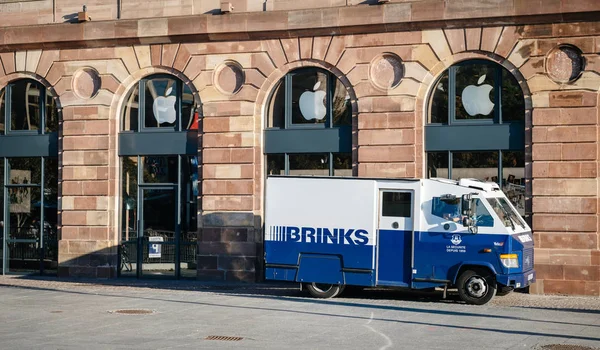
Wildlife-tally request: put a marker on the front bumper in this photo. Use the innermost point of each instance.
(517, 280)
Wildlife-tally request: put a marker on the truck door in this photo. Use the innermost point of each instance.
(394, 244)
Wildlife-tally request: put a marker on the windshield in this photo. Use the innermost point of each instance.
(504, 211)
(513, 214)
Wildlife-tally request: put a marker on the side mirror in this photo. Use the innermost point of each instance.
(467, 205)
(468, 212)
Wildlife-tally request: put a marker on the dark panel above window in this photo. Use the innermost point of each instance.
(29, 145)
(158, 143)
(336, 140)
(475, 137)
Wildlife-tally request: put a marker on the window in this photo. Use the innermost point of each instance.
(309, 125)
(27, 107)
(160, 102)
(29, 120)
(158, 146)
(479, 132)
(452, 211)
(445, 209)
(396, 204)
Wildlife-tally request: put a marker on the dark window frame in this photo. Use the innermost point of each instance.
(498, 84)
(402, 202)
(141, 114)
(41, 105)
(317, 138)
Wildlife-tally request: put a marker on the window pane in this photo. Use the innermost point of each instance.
(25, 105)
(309, 94)
(342, 164)
(504, 216)
(50, 214)
(439, 102)
(277, 107)
(189, 216)
(129, 196)
(437, 164)
(309, 164)
(476, 165)
(482, 215)
(2, 111)
(474, 91)
(51, 189)
(130, 114)
(513, 215)
(160, 103)
(160, 219)
(24, 212)
(513, 178)
(276, 164)
(25, 170)
(342, 107)
(513, 102)
(160, 169)
(51, 114)
(396, 204)
(447, 210)
(189, 114)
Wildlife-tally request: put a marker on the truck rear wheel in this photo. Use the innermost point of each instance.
(324, 290)
(476, 286)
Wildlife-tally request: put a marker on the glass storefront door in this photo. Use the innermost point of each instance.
(159, 196)
(159, 236)
(29, 240)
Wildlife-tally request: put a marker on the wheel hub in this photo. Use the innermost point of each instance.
(477, 287)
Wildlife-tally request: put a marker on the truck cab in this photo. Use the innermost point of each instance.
(488, 248)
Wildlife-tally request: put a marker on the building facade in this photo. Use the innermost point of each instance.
(137, 143)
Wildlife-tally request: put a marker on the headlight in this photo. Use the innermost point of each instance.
(510, 260)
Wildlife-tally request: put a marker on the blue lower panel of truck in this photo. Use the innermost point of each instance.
(320, 262)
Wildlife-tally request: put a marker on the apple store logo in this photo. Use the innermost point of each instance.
(476, 99)
(312, 104)
(164, 108)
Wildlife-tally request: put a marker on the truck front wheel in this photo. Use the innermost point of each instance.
(476, 286)
(324, 290)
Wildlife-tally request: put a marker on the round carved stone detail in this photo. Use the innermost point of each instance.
(86, 83)
(564, 63)
(229, 77)
(386, 71)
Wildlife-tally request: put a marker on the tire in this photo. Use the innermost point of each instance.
(476, 287)
(324, 290)
(503, 290)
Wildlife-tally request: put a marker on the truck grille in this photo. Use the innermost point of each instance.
(527, 259)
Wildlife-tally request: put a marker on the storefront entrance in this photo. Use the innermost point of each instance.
(158, 148)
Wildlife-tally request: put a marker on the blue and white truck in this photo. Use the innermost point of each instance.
(330, 232)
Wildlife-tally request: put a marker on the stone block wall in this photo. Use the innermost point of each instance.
(233, 79)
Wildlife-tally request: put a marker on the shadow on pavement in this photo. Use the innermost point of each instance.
(289, 293)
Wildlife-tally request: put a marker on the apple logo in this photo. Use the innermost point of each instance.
(164, 108)
(476, 99)
(312, 105)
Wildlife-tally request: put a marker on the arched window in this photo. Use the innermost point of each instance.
(158, 145)
(475, 127)
(29, 178)
(309, 130)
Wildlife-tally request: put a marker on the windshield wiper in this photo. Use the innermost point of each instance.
(512, 224)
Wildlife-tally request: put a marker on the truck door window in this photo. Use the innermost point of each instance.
(482, 215)
(446, 210)
(396, 204)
